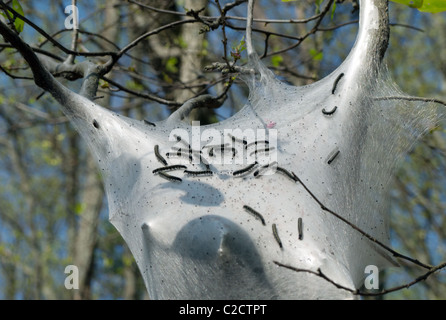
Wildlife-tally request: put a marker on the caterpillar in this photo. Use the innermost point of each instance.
(221, 147)
(276, 235)
(202, 159)
(257, 142)
(261, 150)
(234, 151)
(244, 170)
(199, 173)
(234, 139)
(255, 214)
(328, 113)
(218, 146)
(149, 123)
(169, 177)
(169, 168)
(159, 156)
(299, 228)
(287, 173)
(335, 84)
(179, 153)
(331, 159)
(179, 139)
(295, 177)
(258, 172)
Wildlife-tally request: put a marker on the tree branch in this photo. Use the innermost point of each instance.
(411, 99)
(320, 274)
(51, 39)
(393, 252)
(204, 101)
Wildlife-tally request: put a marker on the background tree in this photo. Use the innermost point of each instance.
(54, 212)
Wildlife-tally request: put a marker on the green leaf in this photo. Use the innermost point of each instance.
(276, 60)
(333, 10)
(431, 6)
(171, 65)
(19, 24)
(316, 55)
(410, 3)
(318, 6)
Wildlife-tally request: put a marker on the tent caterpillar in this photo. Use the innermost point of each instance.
(299, 228)
(261, 150)
(218, 146)
(149, 123)
(254, 213)
(199, 173)
(169, 177)
(179, 153)
(287, 173)
(258, 172)
(328, 113)
(159, 156)
(276, 235)
(335, 84)
(221, 147)
(257, 142)
(169, 168)
(331, 159)
(234, 139)
(244, 170)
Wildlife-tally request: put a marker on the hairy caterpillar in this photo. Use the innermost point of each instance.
(169, 177)
(159, 156)
(149, 123)
(299, 228)
(276, 235)
(328, 113)
(244, 170)
(199, 173)
(179, 153)
(335, 84)
(234, 139)
(169, 168)
(261, 150)
(258, 172)
(287, 173)
(331, 159)
(257, 142)
(254, 213)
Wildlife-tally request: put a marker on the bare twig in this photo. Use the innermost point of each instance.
(320, 274)
(393, 252)
(226, 9)
(14, 76)
(115, 57)
(312, 31)
(142, 95)
(407, 98)
(54, 42)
